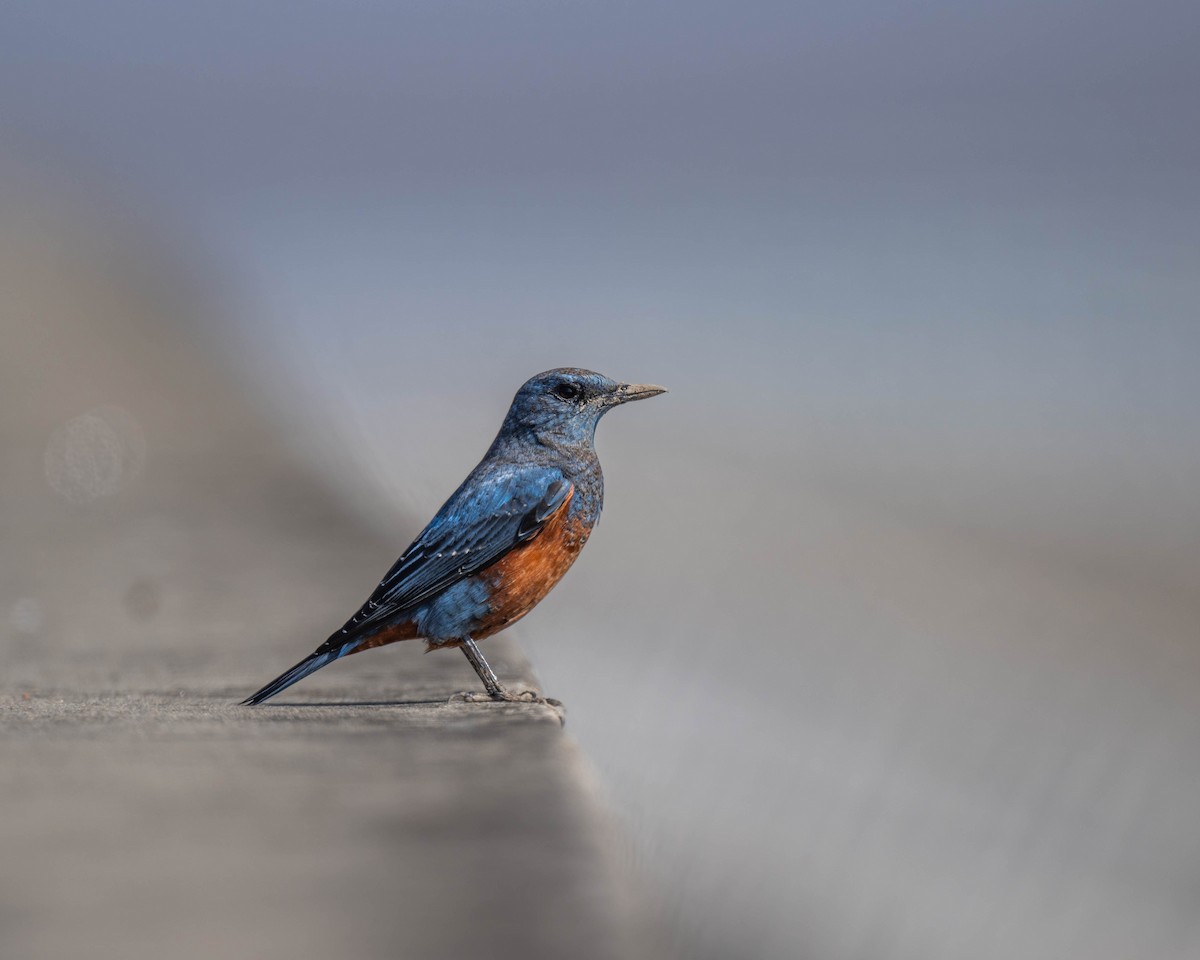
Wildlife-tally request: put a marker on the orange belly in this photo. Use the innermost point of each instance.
(520, 579)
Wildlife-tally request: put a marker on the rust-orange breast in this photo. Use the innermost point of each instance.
(521, 578)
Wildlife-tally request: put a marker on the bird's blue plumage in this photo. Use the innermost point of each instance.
(484, 518)
(454, 579)
(492, 512)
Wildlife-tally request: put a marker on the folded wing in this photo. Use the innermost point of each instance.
(485, 519)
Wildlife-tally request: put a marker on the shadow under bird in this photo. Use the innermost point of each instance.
(503, 539)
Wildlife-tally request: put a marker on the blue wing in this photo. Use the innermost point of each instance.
(489, 515)
(486, 517)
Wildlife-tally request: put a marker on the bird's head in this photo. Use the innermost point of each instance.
(563, 406)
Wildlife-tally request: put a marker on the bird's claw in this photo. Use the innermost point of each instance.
(518, 696)
(468, 696)
(504, 696)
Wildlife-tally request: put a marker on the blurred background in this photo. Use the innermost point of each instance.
(889, 642)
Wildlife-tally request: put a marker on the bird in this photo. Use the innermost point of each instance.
(502, 540)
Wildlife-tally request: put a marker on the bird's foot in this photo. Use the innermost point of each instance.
(504, 696)
(517, 696)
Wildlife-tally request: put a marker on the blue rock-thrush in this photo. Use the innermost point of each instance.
(502, 540)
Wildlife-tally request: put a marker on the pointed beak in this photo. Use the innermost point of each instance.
(635, 391)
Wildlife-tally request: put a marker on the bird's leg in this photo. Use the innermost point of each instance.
(494, 689)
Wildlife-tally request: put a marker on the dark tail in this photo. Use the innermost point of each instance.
(310, 664)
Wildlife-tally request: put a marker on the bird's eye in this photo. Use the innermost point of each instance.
(567, 391)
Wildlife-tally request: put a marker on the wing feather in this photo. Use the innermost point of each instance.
(484, 519)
